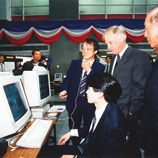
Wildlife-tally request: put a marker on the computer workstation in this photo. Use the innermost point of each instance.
(58, 80)
(16, 103)
(58, 77)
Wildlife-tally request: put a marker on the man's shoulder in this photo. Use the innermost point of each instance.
(135, 51)
(115, 114)
(76, 61)
(114, 109)
(99, 64)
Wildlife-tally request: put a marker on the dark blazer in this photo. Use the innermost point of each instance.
(108, 136)
(148, 137)
(132, 72)
(73, 78)
(28, 66)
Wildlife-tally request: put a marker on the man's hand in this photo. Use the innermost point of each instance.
(86, 66)
(64, 138)
(67, 156)
(63, 94)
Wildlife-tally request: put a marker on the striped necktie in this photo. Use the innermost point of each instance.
(83, 84)
(82, 145)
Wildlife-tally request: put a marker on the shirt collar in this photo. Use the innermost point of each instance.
(91, 63)
(122, 52)
(99, 112)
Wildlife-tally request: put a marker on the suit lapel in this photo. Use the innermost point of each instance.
(93, 67)
(107, 109)
(123, 60)
(79, 72)
(153, 69)
(111, 64)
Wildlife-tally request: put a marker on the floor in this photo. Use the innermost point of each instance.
(62, 122)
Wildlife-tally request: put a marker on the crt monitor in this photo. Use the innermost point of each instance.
(15, 111)
(37, 87)
(58, 76)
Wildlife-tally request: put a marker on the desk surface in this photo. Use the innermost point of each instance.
(26, 152)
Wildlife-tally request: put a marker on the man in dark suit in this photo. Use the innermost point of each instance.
(105, 136)
(148, 136)
(77, 105)
(29, 65)
(131, 68)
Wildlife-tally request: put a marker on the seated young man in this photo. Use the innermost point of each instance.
(106, 134)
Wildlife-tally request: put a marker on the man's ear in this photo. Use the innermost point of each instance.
(122, 38)
(101, 94)
(96, 51)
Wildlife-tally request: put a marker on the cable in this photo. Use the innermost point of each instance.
(12, 139)
(73, 123)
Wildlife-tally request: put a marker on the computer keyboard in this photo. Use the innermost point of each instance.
(35, 135)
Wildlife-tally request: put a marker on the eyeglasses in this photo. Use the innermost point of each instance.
(88, 49)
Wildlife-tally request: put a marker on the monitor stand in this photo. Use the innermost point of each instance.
(38, 112)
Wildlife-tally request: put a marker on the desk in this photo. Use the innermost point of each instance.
(26, 152)
(56, 85)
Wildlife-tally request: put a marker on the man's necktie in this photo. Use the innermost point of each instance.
(82, 145)
(117, 61)
(83, 84)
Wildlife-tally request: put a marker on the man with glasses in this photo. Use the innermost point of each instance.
(74, 86)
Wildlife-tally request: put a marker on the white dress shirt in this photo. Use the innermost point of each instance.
(83, 71)
(120, 54)
(98, 114)
(2, 67)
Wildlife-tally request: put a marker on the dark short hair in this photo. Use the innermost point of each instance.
(1, 55)
(34, 51)
(109, 56)
(92, 41)
(107, 84)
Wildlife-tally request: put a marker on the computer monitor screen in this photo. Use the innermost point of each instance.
(15, 111)
(15, 101)
(44, 86)
(58, 76)
(37, 87)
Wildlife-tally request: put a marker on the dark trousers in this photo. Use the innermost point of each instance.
(131, 148)
(151, 153)
(82, 110)
(58, 150)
